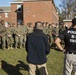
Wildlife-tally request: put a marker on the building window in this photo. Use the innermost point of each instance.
(6, 15)
(19, 8)
(6, 24)
(19, 21)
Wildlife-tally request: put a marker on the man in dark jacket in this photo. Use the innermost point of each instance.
(37, 47)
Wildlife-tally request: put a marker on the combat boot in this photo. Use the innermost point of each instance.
(15, 47)
(11, 47)
(8, 48)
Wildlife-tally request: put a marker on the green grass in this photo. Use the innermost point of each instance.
(14, 62)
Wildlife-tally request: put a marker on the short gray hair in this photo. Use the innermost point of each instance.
(37, 26)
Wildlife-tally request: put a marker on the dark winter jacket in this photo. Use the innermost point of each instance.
(37, 47)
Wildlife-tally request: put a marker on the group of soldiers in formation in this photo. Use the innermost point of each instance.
(13, 37)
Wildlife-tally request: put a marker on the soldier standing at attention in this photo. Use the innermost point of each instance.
(29, 28)
(62, 28)
(54, 31)
(24, 29)
(9, 38)
(47, 26)
(49, 33)
(2, 35)
(18, 36)
(57, 30)
(13, 33)
(44, 27)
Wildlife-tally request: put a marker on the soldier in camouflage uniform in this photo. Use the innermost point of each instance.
(29, 28)
(57, 30)
(24, 28)
(13, 35)
(18, 36)
(9, 38)
(61, 28)
(45, 28)
(2, 35)
(47, 25)
(54, 32)
(49, 33)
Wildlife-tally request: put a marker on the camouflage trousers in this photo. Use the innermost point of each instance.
(3, 41)
(9, 41)
(51, 40)
(18, 41)
(24, 40)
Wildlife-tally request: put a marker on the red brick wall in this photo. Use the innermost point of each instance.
(33, 11)
(55, 17)
(14, 14)
(8, 19)
(39, 11)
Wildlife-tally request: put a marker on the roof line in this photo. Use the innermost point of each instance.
(28, 1)
(15, 2)
(35, 0)
(5, 11)
(66, 20)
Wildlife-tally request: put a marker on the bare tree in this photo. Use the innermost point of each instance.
(68, 8)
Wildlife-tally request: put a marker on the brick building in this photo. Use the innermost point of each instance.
(30, 11)
(5, 14)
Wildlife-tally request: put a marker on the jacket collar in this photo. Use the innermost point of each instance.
(38, 30)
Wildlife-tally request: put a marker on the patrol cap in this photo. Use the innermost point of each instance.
(74, 21)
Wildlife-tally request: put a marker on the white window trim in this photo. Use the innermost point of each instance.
(6, 15)
(19, 6)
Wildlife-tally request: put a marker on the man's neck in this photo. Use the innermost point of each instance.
(75, 26)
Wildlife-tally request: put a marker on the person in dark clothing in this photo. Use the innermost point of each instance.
(69, 37)
(37, 47)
